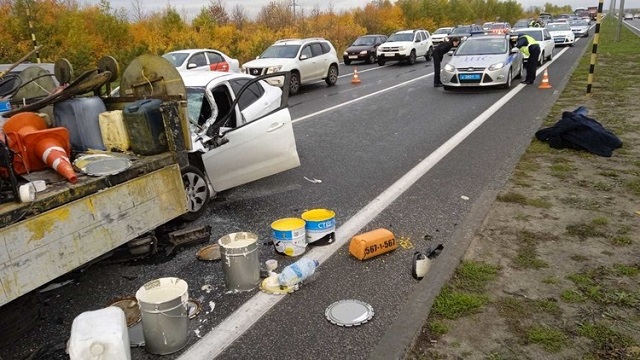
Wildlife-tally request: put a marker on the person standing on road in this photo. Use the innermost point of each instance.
(529, 47)
(438, 54)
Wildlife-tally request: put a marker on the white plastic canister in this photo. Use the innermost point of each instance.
(99, 335)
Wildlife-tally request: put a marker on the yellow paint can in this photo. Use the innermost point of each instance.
(320, 226)
(288, 236)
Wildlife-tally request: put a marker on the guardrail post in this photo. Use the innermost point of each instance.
(594, 49)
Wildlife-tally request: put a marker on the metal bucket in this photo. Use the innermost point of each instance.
(164, 308)
(240, 262)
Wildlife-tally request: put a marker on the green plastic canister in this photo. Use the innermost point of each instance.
(143, 120)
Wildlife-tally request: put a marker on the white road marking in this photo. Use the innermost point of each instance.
(360, 98)
(236, 324)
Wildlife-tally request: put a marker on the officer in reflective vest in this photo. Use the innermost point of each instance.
(529, 47)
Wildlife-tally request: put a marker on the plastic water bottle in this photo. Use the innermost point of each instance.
(297, 272)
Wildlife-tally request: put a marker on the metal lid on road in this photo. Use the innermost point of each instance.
(349, 312)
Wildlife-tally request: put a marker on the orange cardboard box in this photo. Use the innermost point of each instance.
(373, 243)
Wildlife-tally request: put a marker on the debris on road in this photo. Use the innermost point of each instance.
(314, 180)
(464, 197)
(422, 262)
(209, 253)
(373, 243)
(349, 313)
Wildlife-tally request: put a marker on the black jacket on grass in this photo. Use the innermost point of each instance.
(577, 131)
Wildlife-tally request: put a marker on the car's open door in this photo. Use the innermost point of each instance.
(257, 149)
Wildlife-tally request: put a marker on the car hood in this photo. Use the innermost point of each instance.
(579, 28)
(561, 33)
(475, 61)
(439, 36)
(359, 48)
(397, 43)
(263, 63)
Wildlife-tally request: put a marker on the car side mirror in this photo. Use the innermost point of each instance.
(450, 53)
(514, 50)
(417, 40)
(191, 66)
(303, 57)
(257, 57)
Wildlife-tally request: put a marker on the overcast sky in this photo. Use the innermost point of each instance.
(252, 7)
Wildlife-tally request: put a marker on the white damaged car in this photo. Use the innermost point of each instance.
(241, 131)
(483, 60)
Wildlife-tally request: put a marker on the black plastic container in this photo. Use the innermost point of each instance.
(143, 120)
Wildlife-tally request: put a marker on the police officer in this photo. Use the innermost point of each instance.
(438, 54)
(529, 46)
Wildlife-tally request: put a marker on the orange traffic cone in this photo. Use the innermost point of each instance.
(39, 147)
(49, 145)
(356, 79)
(545, 81)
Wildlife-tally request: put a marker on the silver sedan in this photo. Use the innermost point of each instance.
(483, 60)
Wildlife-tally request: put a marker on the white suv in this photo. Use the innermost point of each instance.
(406, 45)
(308, 60)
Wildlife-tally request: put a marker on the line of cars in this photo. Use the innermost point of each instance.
(241, 126)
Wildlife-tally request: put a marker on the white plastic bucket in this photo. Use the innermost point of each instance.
(320, 226)
(288, 236)
(164, 308)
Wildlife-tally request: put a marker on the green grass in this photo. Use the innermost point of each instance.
(600, 285)
(581, 203)
(578, 258)
(584, 230)
(552, 340)
(607, 342)
(473, 276)
(621, 240)
(551, 280)
(438, 328)
(602, 186)
(626, 270)
(452, 304)
(634, 186)
(573, 297)
(517, 198)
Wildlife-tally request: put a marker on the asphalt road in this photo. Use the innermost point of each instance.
(361, 145)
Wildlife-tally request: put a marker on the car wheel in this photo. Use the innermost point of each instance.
(381, 61)
(543, 58)
(332, 75)
(429, 54)
(371, 59)
(197, 190)
(347, 62)
(550, 56)
(294, 83)
(509, 78)
(412, 57)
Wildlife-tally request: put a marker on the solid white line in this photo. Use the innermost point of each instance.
(231, 328)
(359, 99)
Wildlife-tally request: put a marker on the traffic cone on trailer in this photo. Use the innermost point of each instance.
(545, 81)
(49, 145)
(39, 146)
(356, 78)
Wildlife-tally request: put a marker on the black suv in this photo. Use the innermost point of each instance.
(364, 48)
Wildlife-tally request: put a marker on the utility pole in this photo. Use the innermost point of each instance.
(294, 8)
(612, 8)
(620, 17)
